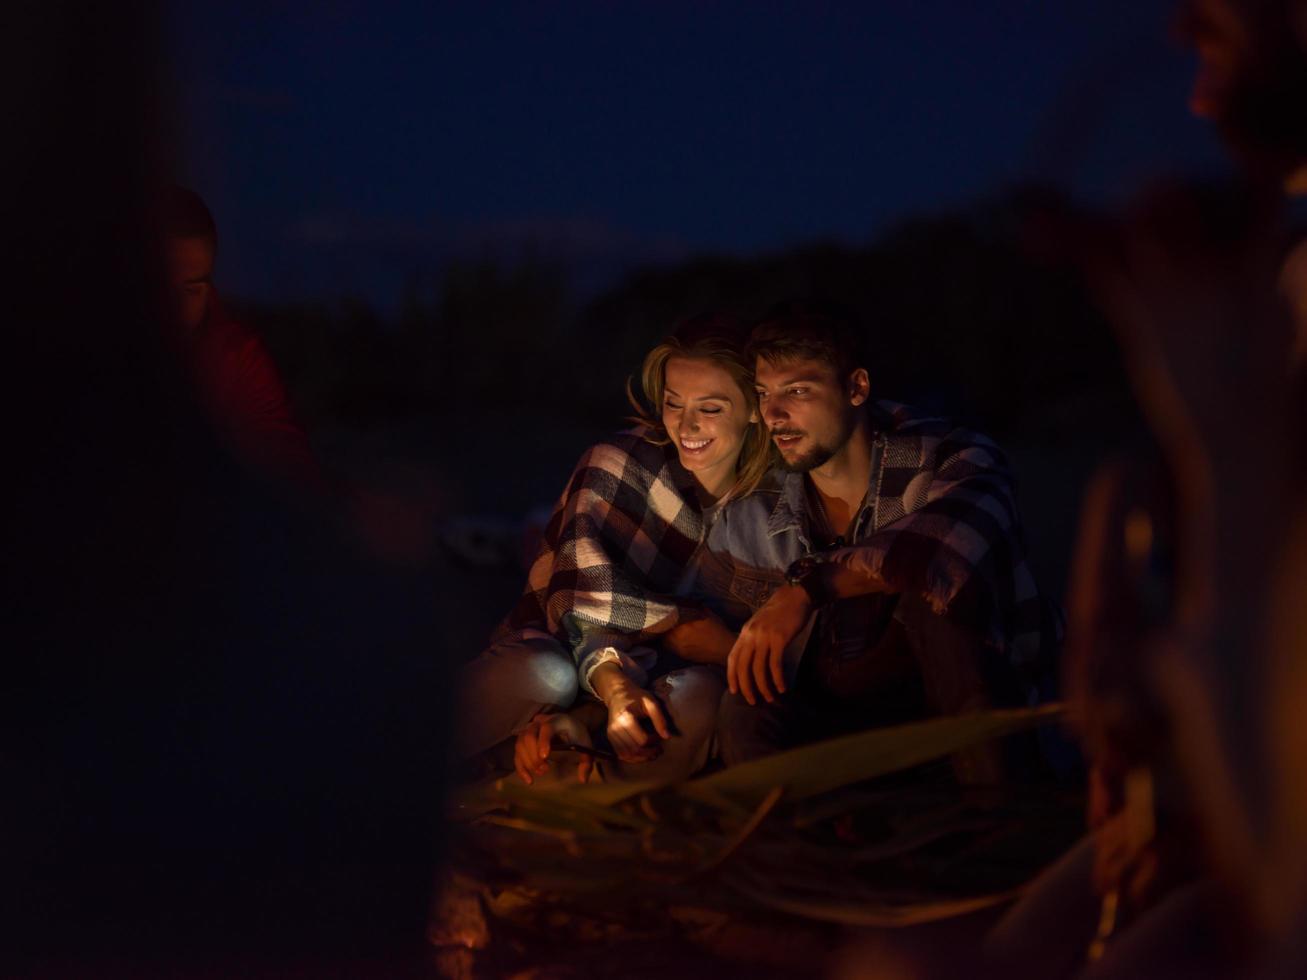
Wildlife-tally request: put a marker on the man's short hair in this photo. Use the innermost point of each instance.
(807, 331)
(185, 215)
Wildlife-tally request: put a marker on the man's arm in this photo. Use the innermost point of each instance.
(757, 658)
(965, 524)
(952, 549)
(700, 638)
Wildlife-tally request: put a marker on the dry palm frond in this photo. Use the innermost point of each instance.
(798, 833)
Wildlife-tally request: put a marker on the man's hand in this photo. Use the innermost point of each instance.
(628, 706)
(531, 752)
(759, 652)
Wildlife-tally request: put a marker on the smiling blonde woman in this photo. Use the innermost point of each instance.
(614, 570)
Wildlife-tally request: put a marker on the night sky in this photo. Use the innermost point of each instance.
(354, 148)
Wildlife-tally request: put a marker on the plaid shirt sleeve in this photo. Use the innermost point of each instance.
(612, 553)
(946, 528)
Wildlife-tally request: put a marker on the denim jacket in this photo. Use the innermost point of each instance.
(753, 542)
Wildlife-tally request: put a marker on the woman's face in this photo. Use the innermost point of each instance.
(707, 417)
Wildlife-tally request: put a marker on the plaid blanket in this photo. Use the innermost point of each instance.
(943, 524)
(614, 551)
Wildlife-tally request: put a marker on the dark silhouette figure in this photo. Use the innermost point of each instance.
(221, 726)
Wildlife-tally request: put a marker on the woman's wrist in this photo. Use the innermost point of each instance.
(608, 680)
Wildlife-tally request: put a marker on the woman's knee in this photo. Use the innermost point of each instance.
(550, 676)
(529, 670)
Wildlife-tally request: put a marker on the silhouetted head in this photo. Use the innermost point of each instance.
(811, 377)
(1252, 78)
(192, 247)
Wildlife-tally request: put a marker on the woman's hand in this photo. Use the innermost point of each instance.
(534, 743)
(628, 707)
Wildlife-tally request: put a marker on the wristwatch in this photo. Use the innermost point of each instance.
(808, 574)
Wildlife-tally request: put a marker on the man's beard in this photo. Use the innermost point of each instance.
(809, 460)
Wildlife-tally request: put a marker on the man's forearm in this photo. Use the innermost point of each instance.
(702, 640)
(841, 575)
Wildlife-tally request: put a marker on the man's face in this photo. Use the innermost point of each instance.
(1221, 36)
(809, 410)
(1252, 77)
(190, 279)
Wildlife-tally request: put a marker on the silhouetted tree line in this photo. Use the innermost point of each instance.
(977, 312)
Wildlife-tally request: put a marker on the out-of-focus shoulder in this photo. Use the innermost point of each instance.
(629, 443)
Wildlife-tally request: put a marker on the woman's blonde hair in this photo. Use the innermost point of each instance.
(719, 338)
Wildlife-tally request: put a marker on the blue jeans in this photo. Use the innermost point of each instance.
(506, 686)
(509, 684)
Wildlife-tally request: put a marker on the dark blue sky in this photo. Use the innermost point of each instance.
(349, 147)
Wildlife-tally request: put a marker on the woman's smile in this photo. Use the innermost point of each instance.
(694, 446)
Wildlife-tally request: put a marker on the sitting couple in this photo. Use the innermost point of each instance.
(770, 558)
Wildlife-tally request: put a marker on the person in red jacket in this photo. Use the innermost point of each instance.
(240, 390)
(234, 375)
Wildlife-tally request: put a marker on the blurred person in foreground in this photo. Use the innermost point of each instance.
(611, 584)
(1187, 654)
(220, 724)
(894, 537)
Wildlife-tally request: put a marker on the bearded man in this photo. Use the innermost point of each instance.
(882, 567)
